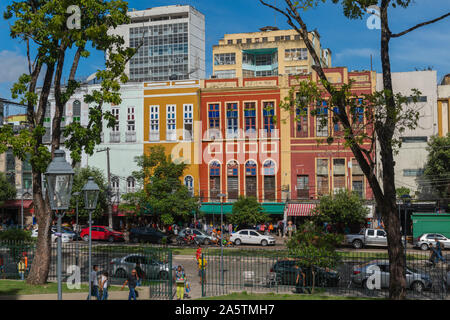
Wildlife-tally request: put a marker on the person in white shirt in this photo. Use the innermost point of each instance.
(94, 282)
(104, 282)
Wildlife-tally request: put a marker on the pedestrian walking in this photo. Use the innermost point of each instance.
(230, 228)
(140, 274)
(21, 268)
(132, 282)
(439, 251)
(180, 281)
(270, 228)
(300, 280)
(198, 254)
(93, 278)
(104, 284)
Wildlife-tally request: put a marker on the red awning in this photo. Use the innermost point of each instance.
(300, 209)
(17, 204)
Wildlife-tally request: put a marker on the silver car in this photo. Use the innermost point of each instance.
(415, 280)
(428, 239)
(122, 267)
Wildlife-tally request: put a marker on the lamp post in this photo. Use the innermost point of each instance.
(59, 178)
(91, 191)
(26, 193)
(221, 195)
(76, 194)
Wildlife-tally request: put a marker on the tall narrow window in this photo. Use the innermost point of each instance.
(115, 186)
(322, 120)
(269, 180)
(11, 167)
(322, 173)
(357, 179)
(250, 179)
(232, 120)
(154, 123)
(233, 180)
(115, 132)
(187, 122)
(302, 187)
(214, 121)
(268, 115)
(189, 183)
(214, 180)
(27, 173)
(131, 125)
(301, 123)
(131, 184)
(250, 119)
(338, 175)
(171, 134)
(358, 114)
(76, 111)
(337, 125)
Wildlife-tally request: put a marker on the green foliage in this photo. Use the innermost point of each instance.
(402, 191)
(356, 9)
(343, 207)
(248, 211)
(437, 168)
(16, 235)
(7, 190)
(315, 247)
(164, 195)
(79, 180)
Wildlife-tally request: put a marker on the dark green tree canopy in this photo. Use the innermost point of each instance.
(247, 211)
(343, 207)
(437, 168)
(7, 190)
(79, 180)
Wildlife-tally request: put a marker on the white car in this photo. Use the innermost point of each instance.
(248, 236)
(66, 237)
(428, 239)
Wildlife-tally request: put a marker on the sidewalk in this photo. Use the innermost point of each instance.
(112, 295)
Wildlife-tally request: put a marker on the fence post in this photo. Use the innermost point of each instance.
(202, 276)
(170, 276)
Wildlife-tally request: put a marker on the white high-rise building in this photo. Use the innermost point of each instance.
(173, 43)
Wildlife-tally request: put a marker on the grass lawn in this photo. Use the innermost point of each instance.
(18, 287)
(273, 296)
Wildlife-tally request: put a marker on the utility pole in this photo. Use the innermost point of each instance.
(110, 220)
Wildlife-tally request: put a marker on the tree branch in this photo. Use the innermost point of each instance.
(396, 35)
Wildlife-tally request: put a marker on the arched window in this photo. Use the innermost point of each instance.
(214, 180)
(76, 111)
(189, 183)
(131, 184)
(250, 179)
(233, 180)
(269, 180)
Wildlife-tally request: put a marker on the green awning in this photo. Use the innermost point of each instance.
(214, 208)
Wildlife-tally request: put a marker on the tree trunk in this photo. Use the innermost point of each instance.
(42, 257)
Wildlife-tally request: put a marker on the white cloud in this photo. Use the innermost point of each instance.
(12, 65)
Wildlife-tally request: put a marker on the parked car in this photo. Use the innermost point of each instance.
(154, 269)
(367, 237)
(66, 236)
(415, 280)
(248, 236)
(102, 233)
(286, 274)
(202, 237)
(426, 240)
(147, 235)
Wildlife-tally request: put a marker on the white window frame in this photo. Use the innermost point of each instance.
(171, 122)
(188, 118)
(116, 114)
(131, 123)
(154, 123)
(131, 185)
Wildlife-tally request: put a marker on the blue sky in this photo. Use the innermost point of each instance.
(350, 41)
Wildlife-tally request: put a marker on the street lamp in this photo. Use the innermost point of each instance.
(59, 178)
(221, 195)
(26, 193)
(91, 191)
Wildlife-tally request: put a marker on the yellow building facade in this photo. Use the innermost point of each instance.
(266, 53)
(444, 106)
(171, 120)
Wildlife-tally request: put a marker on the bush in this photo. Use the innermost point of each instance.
(16, 235)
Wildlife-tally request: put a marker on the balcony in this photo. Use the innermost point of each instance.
(154, 135)
(114, 137)
(130, 136)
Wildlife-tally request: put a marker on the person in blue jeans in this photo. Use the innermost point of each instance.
(94, 282)
(439, 251)
(132, 282)
(104, 284)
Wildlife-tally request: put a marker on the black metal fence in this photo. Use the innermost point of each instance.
(355, 274)
(117, 260)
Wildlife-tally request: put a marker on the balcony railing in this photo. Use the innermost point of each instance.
(114, 137)
(130, 136)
